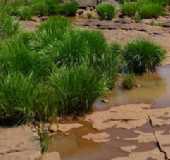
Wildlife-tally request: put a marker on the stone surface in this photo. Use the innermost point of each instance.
(98, 137)
(154, 154)
(68, 127)
(19, 143)
(53, 127)
(51, 156)
(122, 30)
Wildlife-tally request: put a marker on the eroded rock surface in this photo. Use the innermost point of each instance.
(51, 156)
(151, 139)
(123, 30)
(19, 143)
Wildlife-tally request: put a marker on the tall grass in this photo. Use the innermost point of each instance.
(143, 56)
(50, 32)
(105, 11)
(76, 89)
(69, 8)
(144, 8)
(150, 9)
(15, 56)
(8, 25)
(17, 94)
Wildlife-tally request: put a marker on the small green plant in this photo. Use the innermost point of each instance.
(76, 89)
(17, 95)
(105, 11)
(128, 82)
(44, 140)
(69, 8)
(8, 25)
(147, 9)
(142, 56)
(129, 8)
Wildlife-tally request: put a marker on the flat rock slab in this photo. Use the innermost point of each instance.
(19, 143)
(51, 156)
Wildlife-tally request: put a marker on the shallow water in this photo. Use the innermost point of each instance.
(154, 89)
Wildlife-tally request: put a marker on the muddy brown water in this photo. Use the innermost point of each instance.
(154, 89)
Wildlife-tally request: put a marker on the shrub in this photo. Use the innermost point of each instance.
(142, 56)
(17, 95)
(129, 8)
(76, 89)
(8, 25)
(105, 11)
(128, 82)
(150, 9)
(69, 8)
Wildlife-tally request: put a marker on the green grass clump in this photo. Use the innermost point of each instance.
(15, 56)
(45, 7)
(105, 11)
(142, 56)
(8, 25)
(129, 8)
(57, 46)
(24, 13)
(101, 56)
(150, 10)
(17, 95)
(76, 89)
(51, 31)
(69, 8)
(144, 8)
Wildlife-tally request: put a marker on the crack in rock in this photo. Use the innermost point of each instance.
(157, 141)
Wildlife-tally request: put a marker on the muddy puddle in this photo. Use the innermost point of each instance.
(112, 143)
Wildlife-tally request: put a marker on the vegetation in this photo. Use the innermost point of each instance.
(144, 8)
(142, 56)
(17, 95)
(25, 13)
(129, 8)
(105, 11)
(45, 7)
(8, 25)
(150, 10)
(69, 8)
(59, 69)
(63, 68)
(128, 82)
(76, 89)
